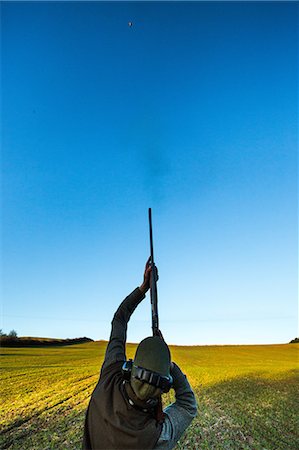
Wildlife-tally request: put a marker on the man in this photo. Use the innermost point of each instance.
(124, 411)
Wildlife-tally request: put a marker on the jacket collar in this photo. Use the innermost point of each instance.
(134, 401)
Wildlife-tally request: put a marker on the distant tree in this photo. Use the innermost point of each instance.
(13, 334)
(1, 333)
(294, 341)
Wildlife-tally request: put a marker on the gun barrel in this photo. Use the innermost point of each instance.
(151, 234)
(153, 289)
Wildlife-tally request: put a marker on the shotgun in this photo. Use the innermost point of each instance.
(153, 284)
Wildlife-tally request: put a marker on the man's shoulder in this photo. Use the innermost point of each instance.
(111, 369)
(110, 376)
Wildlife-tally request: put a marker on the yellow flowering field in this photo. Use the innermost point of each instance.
(247, 395)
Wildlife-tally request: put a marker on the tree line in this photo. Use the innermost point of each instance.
(12, 340)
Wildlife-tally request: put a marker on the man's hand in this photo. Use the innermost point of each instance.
(147, 276)
(159, 333)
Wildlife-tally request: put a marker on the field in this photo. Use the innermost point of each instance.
(247, 395)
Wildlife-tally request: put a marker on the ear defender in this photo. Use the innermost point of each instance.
(127, 369)
(153, 378)
(147, 376)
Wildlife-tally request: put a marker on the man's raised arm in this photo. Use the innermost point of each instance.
(116, 347)
(179, 414)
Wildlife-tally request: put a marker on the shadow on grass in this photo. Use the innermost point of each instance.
(249, 412)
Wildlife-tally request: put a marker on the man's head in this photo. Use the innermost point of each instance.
(152, 354)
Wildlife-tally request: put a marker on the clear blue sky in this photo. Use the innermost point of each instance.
(191, 111)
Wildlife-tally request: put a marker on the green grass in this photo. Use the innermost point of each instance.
(246, 395)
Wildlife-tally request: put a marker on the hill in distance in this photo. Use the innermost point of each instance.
(29, 341)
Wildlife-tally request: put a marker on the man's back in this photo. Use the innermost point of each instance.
(112, 422)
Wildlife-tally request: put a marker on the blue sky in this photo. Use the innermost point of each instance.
(192, 111)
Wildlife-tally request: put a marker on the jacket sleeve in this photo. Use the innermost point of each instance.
(179, 414)
(116, 346)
